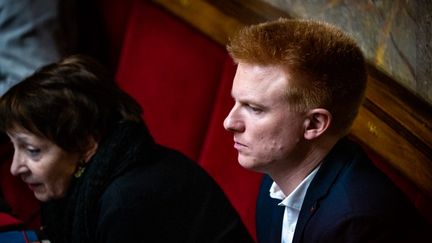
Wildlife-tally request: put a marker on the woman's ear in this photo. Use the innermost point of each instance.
(317, 122)
(90, 149)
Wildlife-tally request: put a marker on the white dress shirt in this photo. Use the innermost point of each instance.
(293, 203)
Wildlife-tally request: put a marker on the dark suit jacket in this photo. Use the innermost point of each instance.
(349, 200)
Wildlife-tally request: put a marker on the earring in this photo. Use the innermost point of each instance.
(80, 170)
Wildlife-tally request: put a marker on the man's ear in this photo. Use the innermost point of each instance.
(90, 150)
(317, 122)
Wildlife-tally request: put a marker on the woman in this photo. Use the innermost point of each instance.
(83, 149)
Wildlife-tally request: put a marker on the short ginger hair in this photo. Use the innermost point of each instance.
(326, 66)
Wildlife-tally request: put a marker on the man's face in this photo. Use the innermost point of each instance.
(266, 132)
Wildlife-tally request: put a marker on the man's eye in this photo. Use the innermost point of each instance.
(254, 109)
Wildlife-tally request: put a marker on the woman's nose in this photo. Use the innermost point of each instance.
(18, 166)
(233, 122)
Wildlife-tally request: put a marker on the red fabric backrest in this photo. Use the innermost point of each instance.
(219, 157)
(173, 72)
(183, 79)
(7, 222)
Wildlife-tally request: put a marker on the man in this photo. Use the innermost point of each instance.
(298, 87)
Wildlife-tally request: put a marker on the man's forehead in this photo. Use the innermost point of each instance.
(252, 76)
(254, 84)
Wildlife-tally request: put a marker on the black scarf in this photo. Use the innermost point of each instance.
(73, 218)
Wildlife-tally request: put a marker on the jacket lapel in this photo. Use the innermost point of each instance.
(269, 215)
(330, 168)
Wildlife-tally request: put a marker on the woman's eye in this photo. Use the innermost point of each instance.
(33, 151)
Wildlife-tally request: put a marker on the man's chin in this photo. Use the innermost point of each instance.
(249, 164)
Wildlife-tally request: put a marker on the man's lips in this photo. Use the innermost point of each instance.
(239, 145)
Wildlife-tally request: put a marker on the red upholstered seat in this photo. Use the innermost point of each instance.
(173, 71)
(219, 157)
(182, 79)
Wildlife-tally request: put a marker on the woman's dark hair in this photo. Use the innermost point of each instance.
(66, 102)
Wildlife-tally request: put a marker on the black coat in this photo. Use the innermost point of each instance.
(349, 200)
(137, 191)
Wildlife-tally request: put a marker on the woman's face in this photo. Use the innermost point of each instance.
(46, 168)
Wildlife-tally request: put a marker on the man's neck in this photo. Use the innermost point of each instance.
(292, 174)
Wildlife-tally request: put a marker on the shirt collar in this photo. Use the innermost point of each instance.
(296, 197)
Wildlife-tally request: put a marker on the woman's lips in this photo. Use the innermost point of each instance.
(33, 186)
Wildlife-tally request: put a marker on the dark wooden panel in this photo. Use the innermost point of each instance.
(205, 17)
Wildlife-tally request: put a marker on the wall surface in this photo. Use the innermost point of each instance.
(395, 35)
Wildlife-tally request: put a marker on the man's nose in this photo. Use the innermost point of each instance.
(233, 122)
